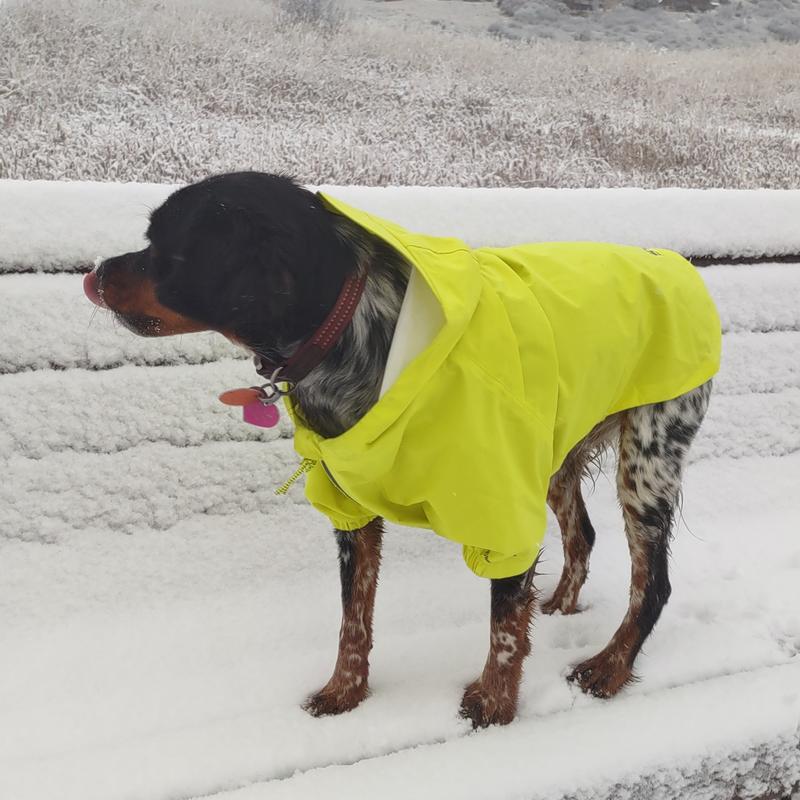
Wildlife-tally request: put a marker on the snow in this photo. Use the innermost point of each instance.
(114, 410)
(173, 664)
(724, 711)
(79, 335)
(52, 225)
(163, 614)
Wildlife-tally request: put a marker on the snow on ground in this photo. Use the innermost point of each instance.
(173, 664)
(51, 226)
(163, 614)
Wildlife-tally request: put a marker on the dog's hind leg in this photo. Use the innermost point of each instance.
(359, 562)
(577, 537)
(654, 441)
(577, 534)
(492, 698)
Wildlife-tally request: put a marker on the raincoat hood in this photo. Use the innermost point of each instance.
(533, 346)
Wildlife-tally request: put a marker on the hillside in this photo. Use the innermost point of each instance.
(672, 24)
(128, 91)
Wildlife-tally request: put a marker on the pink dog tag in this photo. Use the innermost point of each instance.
(259, 414)
(254, 411)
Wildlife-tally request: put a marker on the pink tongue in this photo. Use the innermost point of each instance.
(90, 289)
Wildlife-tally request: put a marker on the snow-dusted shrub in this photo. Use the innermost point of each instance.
(510, 7)
(642, 5)
(786, 29)
(541, 13)
(326, 16)
(689, 5)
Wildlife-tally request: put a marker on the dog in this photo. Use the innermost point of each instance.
(319, 292)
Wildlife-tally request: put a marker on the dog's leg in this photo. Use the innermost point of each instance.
(654, 441)
(565, 499)
(359, 562)
(492, 699)
(577, 538)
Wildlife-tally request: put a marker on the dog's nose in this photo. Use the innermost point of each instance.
(91, 289)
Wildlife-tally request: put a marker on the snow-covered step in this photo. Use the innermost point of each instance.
(750, 424)
(110, 410)
(759, 362)
(57, 225)
(150, 486)
(156, 485)
(738, 732)
(760, 297)
(46, 322)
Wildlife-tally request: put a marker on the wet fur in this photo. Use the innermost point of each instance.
(262, 261)
(652, 443)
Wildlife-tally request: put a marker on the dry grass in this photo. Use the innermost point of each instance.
(172, 90)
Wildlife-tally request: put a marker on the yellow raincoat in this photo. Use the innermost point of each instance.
(538, 344)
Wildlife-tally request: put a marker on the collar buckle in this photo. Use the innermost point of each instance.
(270, 392)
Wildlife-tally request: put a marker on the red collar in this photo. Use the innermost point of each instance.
(312, 352)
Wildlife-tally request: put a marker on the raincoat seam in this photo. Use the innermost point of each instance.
(326, 469)
(440, 252)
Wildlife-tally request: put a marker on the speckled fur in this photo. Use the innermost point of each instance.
(337, 393)
(492, 698)
(653, 443)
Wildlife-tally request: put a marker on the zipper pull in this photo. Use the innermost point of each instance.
(306, 465)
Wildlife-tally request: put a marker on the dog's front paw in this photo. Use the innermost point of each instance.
(336, 697)
(484, 708)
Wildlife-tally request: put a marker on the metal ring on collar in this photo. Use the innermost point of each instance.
(271, 392)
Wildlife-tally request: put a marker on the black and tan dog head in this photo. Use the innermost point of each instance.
(250, 255)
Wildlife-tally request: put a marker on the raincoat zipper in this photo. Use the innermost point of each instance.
(306, 465)
(334, 481)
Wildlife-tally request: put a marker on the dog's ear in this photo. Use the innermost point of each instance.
(265, 260)
(287, 271)
(227, 261)
(269, 275)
